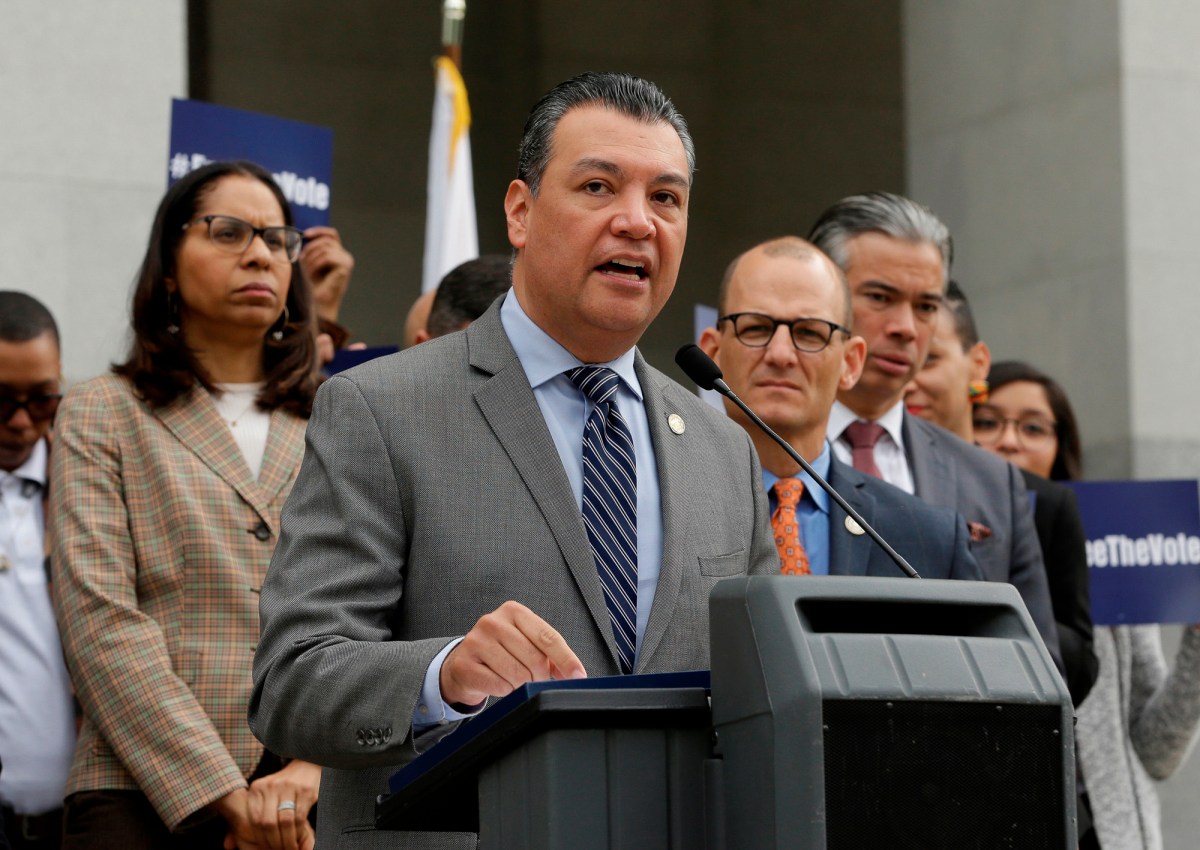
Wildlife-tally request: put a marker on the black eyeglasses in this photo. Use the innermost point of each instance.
(757, 330)
(39, 407)
(1033, 432)
(234, 235)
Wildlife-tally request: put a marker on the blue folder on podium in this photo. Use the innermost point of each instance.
(437, 790)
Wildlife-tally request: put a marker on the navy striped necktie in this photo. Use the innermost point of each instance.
(610, 502)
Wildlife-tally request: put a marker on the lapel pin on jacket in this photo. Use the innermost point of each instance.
(853, 527)
(675, 423)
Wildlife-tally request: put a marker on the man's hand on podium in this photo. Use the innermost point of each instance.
(504, 650)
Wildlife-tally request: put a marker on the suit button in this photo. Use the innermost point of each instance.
(261, 531)
(361, 737)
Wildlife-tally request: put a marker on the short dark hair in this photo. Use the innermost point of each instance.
(960, 310)
(624, 93)
(23, 317)
(879, 212)
(1068, 462)
(466, 292)
(160, 365)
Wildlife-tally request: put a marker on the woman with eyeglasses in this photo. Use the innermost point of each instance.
(1044, 437)
(1139, 722)
(168, 478)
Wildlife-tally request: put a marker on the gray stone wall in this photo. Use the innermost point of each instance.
(85, 95)
(1059, 142)
(1015, 133)
(792, 106)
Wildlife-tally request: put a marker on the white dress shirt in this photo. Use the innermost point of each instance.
(889, 451)
(37, 713)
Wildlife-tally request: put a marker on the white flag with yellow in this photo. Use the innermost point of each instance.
(451, 236)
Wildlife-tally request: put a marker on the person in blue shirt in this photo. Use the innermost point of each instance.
(785, 344)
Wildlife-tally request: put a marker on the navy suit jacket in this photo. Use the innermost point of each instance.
(934, 540)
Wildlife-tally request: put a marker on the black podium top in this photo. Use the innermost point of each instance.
(437, 791)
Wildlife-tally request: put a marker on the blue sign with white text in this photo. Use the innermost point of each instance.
(299, 155)
(1143, 550)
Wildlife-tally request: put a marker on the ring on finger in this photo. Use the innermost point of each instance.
(287, 805)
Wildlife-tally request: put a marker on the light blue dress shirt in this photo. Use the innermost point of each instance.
(812, 512)
(565, 410)
(37, 711)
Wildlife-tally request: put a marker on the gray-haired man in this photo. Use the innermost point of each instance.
(896, 255)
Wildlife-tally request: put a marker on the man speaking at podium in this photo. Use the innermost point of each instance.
(785, 343)
(529, 485)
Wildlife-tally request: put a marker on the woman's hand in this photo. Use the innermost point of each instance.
(294, 788)
(234, 808)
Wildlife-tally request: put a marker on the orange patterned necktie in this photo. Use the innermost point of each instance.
(793, 560)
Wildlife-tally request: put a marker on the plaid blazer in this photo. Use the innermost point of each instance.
(161, 540)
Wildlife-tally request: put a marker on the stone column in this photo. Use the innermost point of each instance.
(1026, 134)
(85, 95)
(1061, 143)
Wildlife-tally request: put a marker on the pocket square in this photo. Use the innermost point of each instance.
(979, 531)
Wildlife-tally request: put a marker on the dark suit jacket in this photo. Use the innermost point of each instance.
(431, 492)
(933, 540)
(1060, 532)
(983, 488)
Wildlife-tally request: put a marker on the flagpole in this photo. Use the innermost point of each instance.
(454, 13)
(451, 231)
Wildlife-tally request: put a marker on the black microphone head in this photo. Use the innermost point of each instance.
(698, 366)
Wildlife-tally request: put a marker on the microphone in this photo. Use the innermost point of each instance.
(708, 376)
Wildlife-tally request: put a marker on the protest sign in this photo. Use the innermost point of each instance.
(1143, 550)
(299, 155)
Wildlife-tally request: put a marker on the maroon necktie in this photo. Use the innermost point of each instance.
(862, 437)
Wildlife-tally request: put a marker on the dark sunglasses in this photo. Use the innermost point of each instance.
(39, 407)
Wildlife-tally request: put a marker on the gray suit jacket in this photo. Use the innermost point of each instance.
(933, 540)
(430, 493)
(983, 488)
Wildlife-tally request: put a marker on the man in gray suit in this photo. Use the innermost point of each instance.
(784, 342)
(896, 256)
(438, 547)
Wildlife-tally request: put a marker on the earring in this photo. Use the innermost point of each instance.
(977, 392)
(277, 334)
(172, 314)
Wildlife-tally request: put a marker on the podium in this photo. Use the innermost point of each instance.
(841, 712)
(590, 763)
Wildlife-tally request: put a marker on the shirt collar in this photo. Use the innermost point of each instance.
(34, 468)
(543, 358)
(892, 421)
(812, 488)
